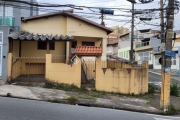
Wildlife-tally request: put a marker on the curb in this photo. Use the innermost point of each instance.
(87, 104)
(155, 73)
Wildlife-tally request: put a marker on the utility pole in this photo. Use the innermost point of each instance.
(166, 60)
(102, 19)
(132, 35)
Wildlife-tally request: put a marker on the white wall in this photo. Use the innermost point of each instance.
(172, 66)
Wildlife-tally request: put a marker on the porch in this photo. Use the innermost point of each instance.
(28, 55)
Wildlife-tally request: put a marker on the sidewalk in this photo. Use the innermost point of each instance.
(174, 73)
(137, 103)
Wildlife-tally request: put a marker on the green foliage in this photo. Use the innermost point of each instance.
(64, 87)
(71, 100)
(172, 110)
(174, 90)
(151, 89)
(8, 95)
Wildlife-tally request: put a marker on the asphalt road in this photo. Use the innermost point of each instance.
(20, 109)
(156, 80)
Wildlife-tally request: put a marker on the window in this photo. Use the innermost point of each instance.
(1, 37)
(173, 61)
(43, 45)
(88, 44)
(145, 56)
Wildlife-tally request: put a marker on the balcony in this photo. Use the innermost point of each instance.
(9, 20)
(142, 45)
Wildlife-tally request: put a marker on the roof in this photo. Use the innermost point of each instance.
(67, 13)
(88, 50)
(112, 41)
(122, 35)
(22, 35)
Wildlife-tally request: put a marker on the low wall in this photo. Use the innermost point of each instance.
(126, 80)
(63, 73)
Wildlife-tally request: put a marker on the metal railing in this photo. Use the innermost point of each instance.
(28, 69)
(142, 44)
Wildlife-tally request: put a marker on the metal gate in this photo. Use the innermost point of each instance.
(28, 69)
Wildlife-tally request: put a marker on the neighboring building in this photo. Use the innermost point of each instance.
(45, 48)
(124, 46)
(120, 30)
(174, 61)
(10, 20)
(145, 45)
(112, 45)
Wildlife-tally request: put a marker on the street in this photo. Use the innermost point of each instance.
(156, 80)
(20, 109)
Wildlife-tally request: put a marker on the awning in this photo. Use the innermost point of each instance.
(22, 35)
(88, 50)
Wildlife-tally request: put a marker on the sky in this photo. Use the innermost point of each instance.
(114, 20)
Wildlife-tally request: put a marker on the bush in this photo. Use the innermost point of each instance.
(174, 90)
(71, 100)
(151, 89)
(172, 110)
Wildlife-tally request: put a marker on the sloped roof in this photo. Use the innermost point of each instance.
(22, 35)
(68, 13)
(88, 50)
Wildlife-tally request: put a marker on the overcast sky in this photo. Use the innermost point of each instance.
(115, 19)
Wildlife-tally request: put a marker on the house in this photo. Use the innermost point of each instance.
(50, 47)
(112, 45)
(10, 21)
(124, 46)
(145, 45)
(174, 61)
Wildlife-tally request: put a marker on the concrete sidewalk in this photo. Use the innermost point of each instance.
(108, 101)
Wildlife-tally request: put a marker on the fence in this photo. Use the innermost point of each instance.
(89, 67)
(121, 77)
(28, 69)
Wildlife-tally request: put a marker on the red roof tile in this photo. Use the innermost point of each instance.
(88, 50)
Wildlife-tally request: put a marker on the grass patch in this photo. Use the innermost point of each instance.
(172, 110)
(174, 90)
(8, 95)
(151, 89)
(64, 87)
(71, 100)
(54, 101)
(93, 94)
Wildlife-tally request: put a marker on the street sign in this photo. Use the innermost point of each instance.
(170, 53)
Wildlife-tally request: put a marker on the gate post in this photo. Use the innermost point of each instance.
(9, 67)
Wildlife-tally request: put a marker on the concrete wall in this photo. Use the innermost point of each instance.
(124, 79)
(5, 30)
(63, 73)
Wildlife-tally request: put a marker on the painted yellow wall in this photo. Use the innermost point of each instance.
(79, 40)
(122, 80)
(63, 73)
(67, 26)
(9, 66)
(29, 49)
(52, 25)
(15, 48)
(76, 27)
